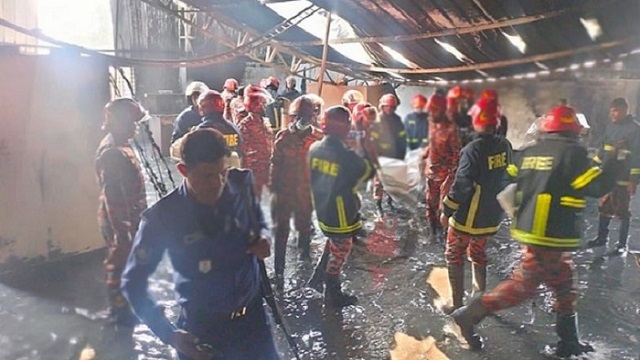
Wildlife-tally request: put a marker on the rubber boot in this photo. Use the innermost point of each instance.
(119, 312)
(456, 281)
(379, 207)
(334, 296)
(390, 203)
(624, 235)
(479, 278)
(304, 247)
(279, 263)
(567, 330)
(434, 232)
(464, 321)
(319, 275)
(603, 233)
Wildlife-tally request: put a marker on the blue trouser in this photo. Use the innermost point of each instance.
(244, 337)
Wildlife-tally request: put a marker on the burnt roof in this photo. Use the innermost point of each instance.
(551, 29)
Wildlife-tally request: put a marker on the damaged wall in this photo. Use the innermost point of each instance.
(50, 122)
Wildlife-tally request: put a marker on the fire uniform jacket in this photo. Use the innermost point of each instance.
(187, 119)
(335, 173)
(290, 174)
(390, 137)
(444, 150)
(554, 176)
(207, 246)
(417, 125)
(625, 136)
(257, 145)
(122, 192)
(482, 174)
(229, 130)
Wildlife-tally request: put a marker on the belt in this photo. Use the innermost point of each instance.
(253, 305)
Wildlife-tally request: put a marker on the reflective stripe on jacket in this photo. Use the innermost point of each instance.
(336, 172)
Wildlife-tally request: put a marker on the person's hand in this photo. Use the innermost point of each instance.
(189, 345)
(444, 220)
(261, 248)
(632, 189)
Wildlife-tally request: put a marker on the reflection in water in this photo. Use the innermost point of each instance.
(398, 277)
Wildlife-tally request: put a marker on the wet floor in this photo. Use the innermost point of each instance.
(398, 275)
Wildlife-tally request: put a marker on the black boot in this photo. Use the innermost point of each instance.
(319, 275)
(479, 278)
(434, 231)
(456, 281)
(379, 207)
(304, 247)
(119, 312)
(624, 235)
(567, 330)
(603, 233)
(334, 296)
(464, 320)
(279, 262)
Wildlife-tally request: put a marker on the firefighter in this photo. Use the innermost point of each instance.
(335, 172)
(390, 138)
(237, 111)
(189, 117)
(122, 198)
(623, 133)
(257, 137)
(229, 92)
(554, 176)
(471, 210)
(211, 107)
(503, 125)
(441, 158)
(274, 110)
(417, 123)
(290, 92)
(213, 231)
(290, 180)
(350, 98)
(459, 100)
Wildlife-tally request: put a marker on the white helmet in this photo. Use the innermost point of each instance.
(196, 86)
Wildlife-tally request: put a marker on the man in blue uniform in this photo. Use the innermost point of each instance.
(190, 116)
(417, 123)
(214, 232)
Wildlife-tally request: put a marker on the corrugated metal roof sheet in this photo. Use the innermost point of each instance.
(556, 30)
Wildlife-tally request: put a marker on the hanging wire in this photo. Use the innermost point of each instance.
(154, 176)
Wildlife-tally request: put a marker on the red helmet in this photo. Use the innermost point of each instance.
(122, 110)
(436, 104)
(336, 121)
(388, 100)
(306, 109)
(489, 94)
(559, 119)
(351, 98)
(231, 84)
(418, 101)
(485, 112)
(272, 81)
(364, 114)
(455, 93)
(210, 102)
(256, 99)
